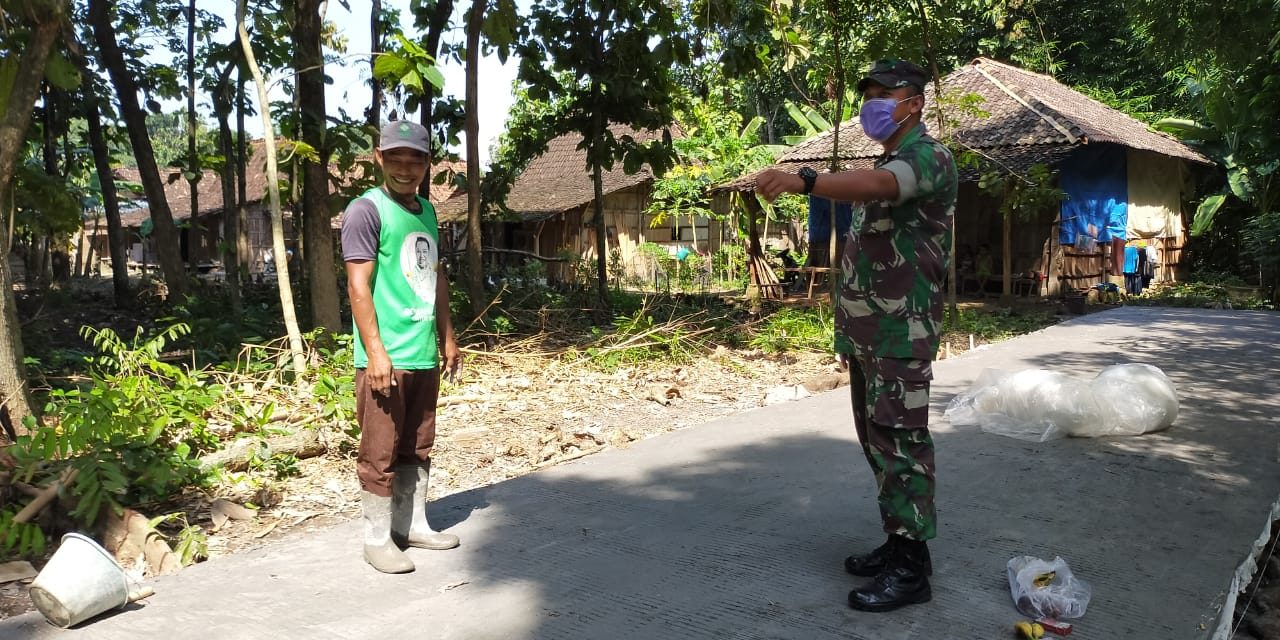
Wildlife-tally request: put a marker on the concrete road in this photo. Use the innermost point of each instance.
(737, 528)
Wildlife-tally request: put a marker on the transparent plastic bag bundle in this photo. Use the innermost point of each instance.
(1040, 405)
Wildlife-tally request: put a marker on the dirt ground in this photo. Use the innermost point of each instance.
(513, 416)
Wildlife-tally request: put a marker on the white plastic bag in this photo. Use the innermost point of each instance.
(1132, 399)
(1040, 405)
(1043, 589)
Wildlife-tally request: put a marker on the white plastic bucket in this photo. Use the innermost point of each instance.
(80, 581)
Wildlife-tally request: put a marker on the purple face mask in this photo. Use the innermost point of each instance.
(877, 120)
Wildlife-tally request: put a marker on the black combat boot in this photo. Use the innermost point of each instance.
(903, 580)
(873, 563)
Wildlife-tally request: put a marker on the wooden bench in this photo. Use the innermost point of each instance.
(812, 273)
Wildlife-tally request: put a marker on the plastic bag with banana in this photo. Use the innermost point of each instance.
(1043, 589)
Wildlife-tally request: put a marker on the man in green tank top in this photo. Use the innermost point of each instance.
(403, 339)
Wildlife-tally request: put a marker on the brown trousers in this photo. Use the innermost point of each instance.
(395, 429)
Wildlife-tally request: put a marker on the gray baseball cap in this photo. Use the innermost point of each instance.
(404, 134)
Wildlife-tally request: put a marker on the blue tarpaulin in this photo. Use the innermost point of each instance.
(1095, 179)
(820, 220)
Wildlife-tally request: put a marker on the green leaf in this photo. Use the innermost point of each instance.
(1240, 182)
(390, 66)
(306, 151)
(157, 428)
(818, 121)
(797, 116)
(1205, 213)
(432, 74)
(155, 522)
(1186, 129)
(411, 47)
(61, 73)
(412, 81)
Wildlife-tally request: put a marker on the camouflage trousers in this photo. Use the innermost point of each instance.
(891, 415)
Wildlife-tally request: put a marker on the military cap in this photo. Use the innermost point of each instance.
(893, 73)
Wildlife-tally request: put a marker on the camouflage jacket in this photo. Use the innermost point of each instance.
(889, 301)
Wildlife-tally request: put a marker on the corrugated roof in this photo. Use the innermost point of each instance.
(558, 180)
(1022, 119)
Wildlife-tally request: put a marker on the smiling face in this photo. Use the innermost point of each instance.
(405, 169)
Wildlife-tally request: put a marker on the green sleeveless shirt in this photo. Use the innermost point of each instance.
(404, 284)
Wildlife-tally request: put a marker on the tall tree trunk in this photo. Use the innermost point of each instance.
(375, 85)
(22, 89)
(165, 232)
(598, 125)
(242, 170)
(597, 205)
(602, 275)
(193, 160)
(475, 275)
(84, 249)
(68, 161)
(308, 61)
(49, 152)
(1006, 260)
(436, 25)
(230, 212)
(110, 206)
(273, 191)
(34, 259)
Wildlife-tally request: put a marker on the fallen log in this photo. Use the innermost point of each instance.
(303, 443)
(46, 496)
(31, 491)
(130, 537)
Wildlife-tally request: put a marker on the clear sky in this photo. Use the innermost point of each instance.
(350, 87)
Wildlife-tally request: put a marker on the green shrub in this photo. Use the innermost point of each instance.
(999, 324)
(791, 329)
(132, 434)
(1200, 294)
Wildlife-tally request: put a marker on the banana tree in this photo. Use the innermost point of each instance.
(1253, 184)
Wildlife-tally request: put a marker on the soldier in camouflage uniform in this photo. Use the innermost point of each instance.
(889, 318)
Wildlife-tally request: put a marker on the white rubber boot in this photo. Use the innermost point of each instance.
(409, 525)
(379, 550)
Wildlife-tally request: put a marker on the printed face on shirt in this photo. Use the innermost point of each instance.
(418, 256)
(422, 247)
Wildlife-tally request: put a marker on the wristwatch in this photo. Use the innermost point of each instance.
(810, 177)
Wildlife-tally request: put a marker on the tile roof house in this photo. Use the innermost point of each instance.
(1019, 119)
(1011, 119)
(134, 212)
(551, 212)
